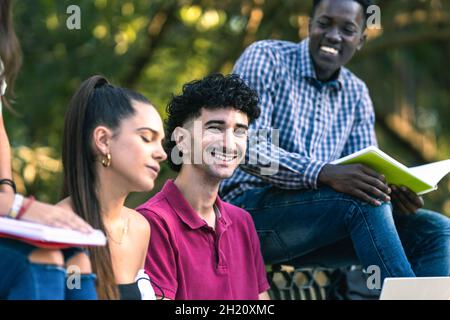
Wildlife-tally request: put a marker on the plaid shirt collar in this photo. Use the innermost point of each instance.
(308, 71)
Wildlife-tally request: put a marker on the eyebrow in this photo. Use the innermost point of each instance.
(351, 23)
(221, 122)
(324, 15)
(155, 132)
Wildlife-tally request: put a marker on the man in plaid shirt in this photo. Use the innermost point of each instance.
(314, 111)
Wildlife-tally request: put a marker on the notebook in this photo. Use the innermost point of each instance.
(48, 237)
(421, 179)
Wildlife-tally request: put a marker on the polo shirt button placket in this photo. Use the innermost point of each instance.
(221, 261)
(211, 238)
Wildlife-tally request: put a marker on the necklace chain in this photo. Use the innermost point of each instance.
(124, 232)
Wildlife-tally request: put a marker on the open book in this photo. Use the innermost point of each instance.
(48, 237)
(421, 179)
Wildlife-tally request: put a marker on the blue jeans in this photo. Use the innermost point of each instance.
(328, 228)
(21, 279)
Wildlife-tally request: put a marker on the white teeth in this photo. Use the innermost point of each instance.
(223, 157)
(332, 51)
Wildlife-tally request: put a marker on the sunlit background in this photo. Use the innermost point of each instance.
(154, 46)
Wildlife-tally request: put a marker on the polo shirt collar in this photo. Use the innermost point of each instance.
(185, 211)
(224, 218)
(307, 67)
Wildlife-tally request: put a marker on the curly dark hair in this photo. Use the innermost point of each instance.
(364, 3)
(215, 91)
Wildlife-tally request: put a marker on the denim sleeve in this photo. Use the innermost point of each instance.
(259, 66)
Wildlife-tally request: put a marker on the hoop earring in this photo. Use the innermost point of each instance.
(106, 160)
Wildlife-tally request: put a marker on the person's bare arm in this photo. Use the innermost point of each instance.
(38, 212)
(46, 214)
(145, 234)
(264, 296)
(55, 216)
(6, 201)
(143, 230)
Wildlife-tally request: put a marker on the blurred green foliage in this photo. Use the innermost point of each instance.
(154, 46)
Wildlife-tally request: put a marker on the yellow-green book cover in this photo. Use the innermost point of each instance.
(421, 179)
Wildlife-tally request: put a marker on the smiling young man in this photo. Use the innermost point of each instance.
(202, 247)
(309, 211)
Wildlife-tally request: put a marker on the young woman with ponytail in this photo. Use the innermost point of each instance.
(112, 145)
(28, 272)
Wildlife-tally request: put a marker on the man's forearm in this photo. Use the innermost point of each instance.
(286, 170)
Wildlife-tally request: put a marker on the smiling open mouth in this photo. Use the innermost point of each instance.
(329, 50)
(227, 157)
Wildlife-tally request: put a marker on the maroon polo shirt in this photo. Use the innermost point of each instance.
(188, 260)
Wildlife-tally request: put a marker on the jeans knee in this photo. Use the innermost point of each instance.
(46, 256)
(445, 231)
(81, 261)
(446, 226)
(432, 223)
(383, 211)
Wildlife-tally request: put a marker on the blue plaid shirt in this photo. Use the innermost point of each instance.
(317, 122)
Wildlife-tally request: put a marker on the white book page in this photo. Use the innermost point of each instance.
(432, 173)
(377, 151)
(41, 232)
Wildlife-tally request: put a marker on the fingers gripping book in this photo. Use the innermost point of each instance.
(48, 237)
(420, 179)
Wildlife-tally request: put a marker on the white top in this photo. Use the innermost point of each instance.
(2, 85)
(144, 285)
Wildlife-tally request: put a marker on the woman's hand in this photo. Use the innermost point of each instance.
(55, 216)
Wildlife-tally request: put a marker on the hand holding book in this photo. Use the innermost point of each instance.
(356, 180)
(405, 201)
(421, 179)
(48, 226)
(46, 214)
(369, 186)
(55, 216)
(49, 237)
(371, 174)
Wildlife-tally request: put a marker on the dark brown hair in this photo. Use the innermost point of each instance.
(215, 91)
(96, 102)
(10, 52)
(365, 4)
